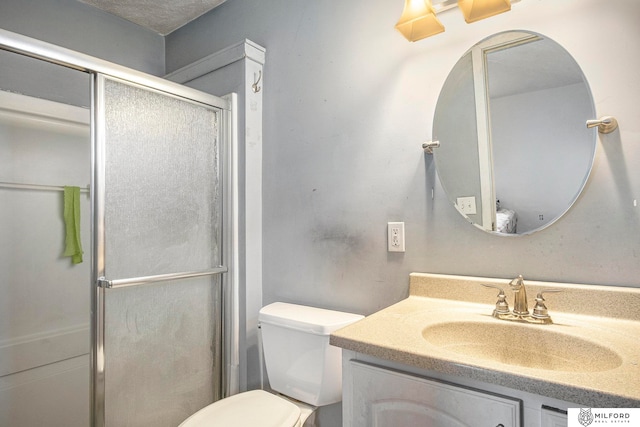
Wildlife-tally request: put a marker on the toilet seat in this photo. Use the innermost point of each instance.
(255, 408)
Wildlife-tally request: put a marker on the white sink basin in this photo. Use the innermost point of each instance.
(529, 346)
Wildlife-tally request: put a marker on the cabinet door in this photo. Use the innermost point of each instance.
(553, 418)
(380, 397)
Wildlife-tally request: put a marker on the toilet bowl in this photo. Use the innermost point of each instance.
(251, 408)
(301, 365)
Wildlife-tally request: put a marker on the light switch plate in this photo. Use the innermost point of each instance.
(466, 205)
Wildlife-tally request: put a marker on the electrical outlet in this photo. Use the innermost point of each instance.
(395, 236)
(466, 205)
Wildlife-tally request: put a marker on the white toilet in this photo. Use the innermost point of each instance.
(300, 365)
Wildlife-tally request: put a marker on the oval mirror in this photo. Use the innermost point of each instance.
(514, 150)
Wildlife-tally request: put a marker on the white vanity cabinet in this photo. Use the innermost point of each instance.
(378, 392)
(379, 397)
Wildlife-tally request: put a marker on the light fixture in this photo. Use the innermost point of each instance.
(418, 20)
(475, 10)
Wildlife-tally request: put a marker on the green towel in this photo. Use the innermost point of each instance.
(73, 246)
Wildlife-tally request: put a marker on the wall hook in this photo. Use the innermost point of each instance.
(255, 86)
(606, 124)
(429, 146)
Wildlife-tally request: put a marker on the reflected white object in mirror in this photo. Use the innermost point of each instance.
(510, 120)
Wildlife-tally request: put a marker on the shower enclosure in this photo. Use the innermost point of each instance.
(156, 221)
(44, 298)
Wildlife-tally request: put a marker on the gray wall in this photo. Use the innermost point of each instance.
(347, 104)
(76, 26)
(85, 29)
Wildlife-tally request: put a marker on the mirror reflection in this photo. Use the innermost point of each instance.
(514, 150)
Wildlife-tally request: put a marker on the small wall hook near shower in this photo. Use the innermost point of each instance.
(429, 146)
(606, 124)
(255, 86)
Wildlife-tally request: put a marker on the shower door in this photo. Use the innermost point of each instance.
(158, 243)
(161, 237)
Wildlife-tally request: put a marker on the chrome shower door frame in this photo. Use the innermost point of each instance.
(100, 70)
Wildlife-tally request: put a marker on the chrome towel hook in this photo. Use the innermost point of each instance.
(606, 124)
(255, 86)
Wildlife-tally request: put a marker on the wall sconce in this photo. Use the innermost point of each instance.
(418, 19)
(475, 10)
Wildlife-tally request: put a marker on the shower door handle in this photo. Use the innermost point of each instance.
(120, 283)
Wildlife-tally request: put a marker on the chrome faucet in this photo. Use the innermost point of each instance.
(520, 305)
(520, 312)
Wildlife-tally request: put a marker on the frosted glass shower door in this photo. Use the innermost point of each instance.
(158, 254)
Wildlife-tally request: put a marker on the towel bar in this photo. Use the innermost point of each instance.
(38, 187)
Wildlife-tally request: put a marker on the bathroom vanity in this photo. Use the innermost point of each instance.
(440, 356)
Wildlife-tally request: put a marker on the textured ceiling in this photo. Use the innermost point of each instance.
(161, 16)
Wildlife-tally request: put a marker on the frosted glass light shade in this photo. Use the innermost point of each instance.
(418, 20)
(475, 10)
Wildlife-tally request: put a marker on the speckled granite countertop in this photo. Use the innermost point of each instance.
(598, 317)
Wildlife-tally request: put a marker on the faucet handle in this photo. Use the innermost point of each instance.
(502, 307)
(540, 310)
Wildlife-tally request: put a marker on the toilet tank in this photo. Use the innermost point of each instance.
(300, 361)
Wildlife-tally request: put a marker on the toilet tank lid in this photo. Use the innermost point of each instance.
(314, 320)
